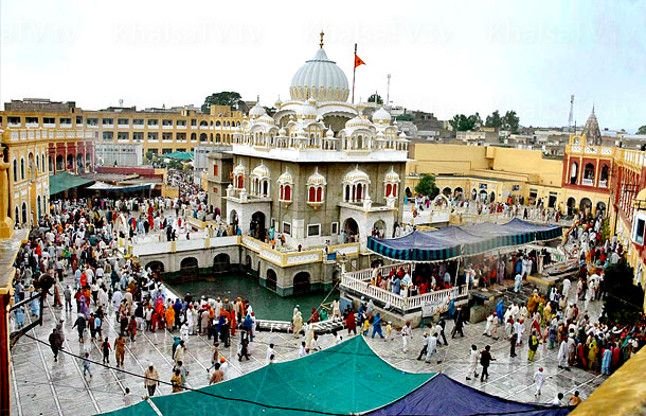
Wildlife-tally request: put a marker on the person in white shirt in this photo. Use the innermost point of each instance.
(406, 335)
(558, 400)
(302, 352)
(539, 379)
(431, 348)
(270, 353)
(473, 362)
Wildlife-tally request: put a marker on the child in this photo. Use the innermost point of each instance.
(539, 379)
(86, 365)
(105, 347)
(365, 327)
(389, 331)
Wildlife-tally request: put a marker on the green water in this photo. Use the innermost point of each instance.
(265, 303)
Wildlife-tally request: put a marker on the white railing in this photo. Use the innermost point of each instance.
(371, 291)
(587, 182)
(436, 297)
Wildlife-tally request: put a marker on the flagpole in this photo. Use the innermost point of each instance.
(354, 70)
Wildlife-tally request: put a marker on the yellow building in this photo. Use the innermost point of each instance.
(487, 172)
(159, 130)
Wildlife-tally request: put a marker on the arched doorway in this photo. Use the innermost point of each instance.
(379, 229)
(233, 217)
(24, 213)
(155, 266)
(257, 226)
(272, 279)
(458, 193)
(301, 283)
(221, 263)
(350, 231)
(571, 205)
(601, 209)
(188, 267)
(585, 206)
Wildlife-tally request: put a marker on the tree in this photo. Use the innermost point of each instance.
(426, 186)
(375, 98)
(229, 98)
(494, 120)
(510, 121)
(642, 130)
(624, 301)
(460, 122)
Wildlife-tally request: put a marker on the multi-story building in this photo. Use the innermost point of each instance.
(318, 173)
(159, 130)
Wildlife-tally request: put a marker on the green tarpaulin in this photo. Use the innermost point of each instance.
(183, 156)
(342, 380)
(64, 181)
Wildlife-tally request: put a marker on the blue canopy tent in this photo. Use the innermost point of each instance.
(443, 396)
(455, 241)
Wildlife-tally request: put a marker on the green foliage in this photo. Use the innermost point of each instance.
(460, 122)
(229, 98)
(375, 98)
(510, 121)
(426, 186)
(642, 130)
(494, 120)
(624, 301)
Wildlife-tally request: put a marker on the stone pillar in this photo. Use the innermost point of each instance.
(6, 223)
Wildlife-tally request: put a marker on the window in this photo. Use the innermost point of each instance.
(180, 136)
(22, 168)
(107, 135)
(193, 122)
(313, 230)
(167, 136)
(15, 170)
(138, 136)
(334, 228)
(287, 228)
(638, 237)
(107, 121)
(79, 120)
(123, 135)
(138, 122)
(152, 136)
(181, 122)
(167, 122)
(92, 121)
(285, 193)
(215, 170)
(48, 120)
(153, 122)
(64, 121)
(123, 121)
(32, 120)
(14, 120)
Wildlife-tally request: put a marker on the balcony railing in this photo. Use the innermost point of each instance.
(587, 182)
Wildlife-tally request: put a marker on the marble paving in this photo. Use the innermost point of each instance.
(44, 387)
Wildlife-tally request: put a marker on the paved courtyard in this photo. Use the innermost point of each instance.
(43, 387)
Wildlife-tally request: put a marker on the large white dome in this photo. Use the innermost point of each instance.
(320, 79)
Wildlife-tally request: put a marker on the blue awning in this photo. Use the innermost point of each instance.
(454, 241)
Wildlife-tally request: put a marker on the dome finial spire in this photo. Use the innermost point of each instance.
(322, 34)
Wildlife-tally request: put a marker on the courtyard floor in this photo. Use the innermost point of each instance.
(43, 387)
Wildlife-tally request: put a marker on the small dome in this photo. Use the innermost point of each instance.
(285, 178)
(402, 136)
(282, 132)
(381, 116)
(356, 175)
(380, 136)
(239, 169)
(316, 178)
(329, 133)
(261, 171)
(321, 79)
(308, 109)
(265, 119)
(392, 176)
(257, 111)
(358, 122)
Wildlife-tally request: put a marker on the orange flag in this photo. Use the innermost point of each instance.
(358, 61)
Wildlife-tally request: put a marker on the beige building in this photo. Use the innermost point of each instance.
(158, 130)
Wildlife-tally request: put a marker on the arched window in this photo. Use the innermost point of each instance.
(311, 196)
(15, 176)
(389, 189)
(22, 168)
(319, 194)
(288, 193)
(240, 182)
(588, 174)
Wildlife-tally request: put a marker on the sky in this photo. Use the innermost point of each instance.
(444, 57)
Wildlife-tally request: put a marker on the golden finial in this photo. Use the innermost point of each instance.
(322, 34)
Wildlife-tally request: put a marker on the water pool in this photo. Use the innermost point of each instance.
(266, 304)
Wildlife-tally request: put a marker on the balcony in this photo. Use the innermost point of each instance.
(587, 182)
(603, 183)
